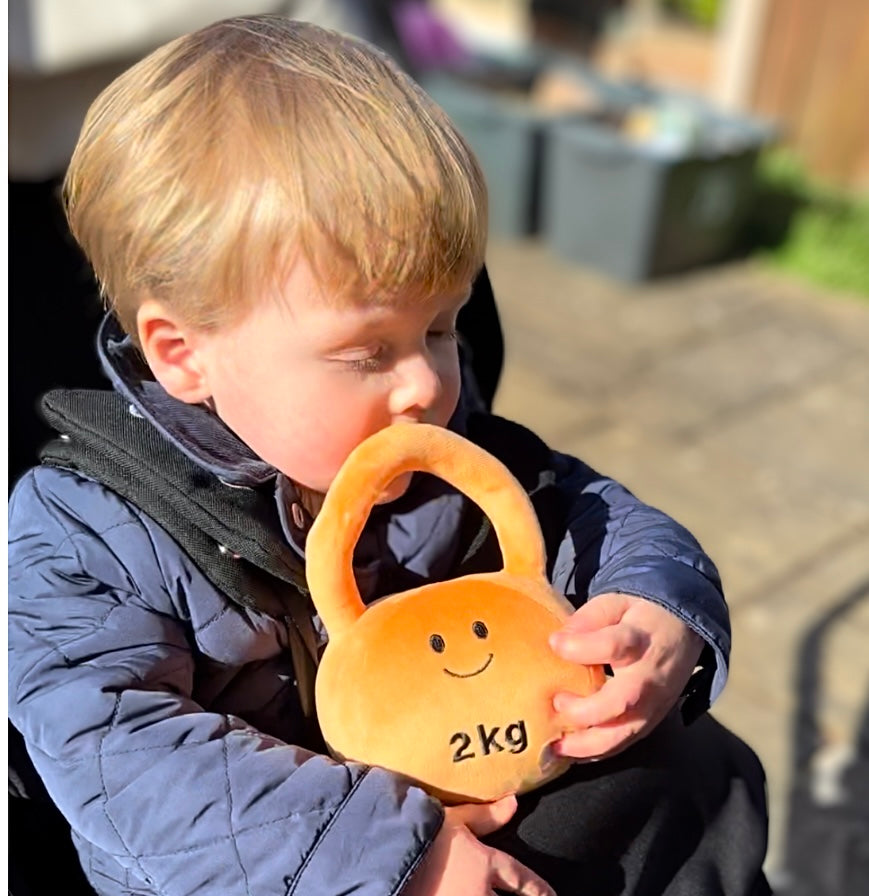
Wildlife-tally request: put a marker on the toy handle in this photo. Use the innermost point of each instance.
(371, 466)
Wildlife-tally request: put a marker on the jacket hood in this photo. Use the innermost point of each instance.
(193, 429)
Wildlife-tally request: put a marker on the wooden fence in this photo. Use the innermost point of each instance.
(812, 76)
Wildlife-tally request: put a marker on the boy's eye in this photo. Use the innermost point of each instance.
(366, 365)
(367, 361)
(447, 335)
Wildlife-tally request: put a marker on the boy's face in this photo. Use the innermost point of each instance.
(303, 381)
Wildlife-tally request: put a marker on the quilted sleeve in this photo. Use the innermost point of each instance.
(189, 801)
(615, 543)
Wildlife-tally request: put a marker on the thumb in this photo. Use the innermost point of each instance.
(484, 818)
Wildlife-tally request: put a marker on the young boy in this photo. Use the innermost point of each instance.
(286, 228)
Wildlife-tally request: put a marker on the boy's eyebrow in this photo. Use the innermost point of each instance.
(452, 305)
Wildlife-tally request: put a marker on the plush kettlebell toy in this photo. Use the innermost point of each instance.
(450, 684)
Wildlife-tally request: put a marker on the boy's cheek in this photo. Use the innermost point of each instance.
(451, 385)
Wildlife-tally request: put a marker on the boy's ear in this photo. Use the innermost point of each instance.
(170, 349)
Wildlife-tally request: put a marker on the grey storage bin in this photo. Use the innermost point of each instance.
(635, 210)
(507, 134)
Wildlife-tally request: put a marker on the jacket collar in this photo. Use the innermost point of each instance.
(193, 429)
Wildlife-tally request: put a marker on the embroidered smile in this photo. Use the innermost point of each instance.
(471, 674)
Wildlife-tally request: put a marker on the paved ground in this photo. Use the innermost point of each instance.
(737, 402)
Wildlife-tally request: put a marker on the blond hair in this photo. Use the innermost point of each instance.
(202, 171)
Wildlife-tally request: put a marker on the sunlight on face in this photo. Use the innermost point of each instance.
(303, 381)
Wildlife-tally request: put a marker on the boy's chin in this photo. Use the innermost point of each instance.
(395, 489)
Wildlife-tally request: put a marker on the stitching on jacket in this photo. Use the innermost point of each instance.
(50, 507)
(204, 844)
(105, 801)
(309, 857)
(613, 535)
(212, 841)
(142, 521)
(141, 518)
(232, 834)
(226, 608)
(175, 748)
(71, 536)
(101, 622)
(146, 522)
(208, 844)
(111, 754)
(102, 532)
(402, 882)
(50, 648)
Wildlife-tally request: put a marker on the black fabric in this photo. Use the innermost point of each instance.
(54, 309)
(102, 439)
(482, 338)
(680, 813)
(42, 858)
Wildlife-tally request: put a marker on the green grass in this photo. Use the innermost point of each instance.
(815, 232)
(704, 13)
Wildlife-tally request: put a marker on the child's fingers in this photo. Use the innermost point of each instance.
(484, 818)
(602, 740)
(616, 645)
(511, 876)
(599, 612)
(620, 696)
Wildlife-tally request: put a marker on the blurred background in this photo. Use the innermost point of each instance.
(680, 258)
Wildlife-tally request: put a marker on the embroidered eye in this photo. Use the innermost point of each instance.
(438, 645)
(479, 629)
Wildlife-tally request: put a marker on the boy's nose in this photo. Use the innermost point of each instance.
(417, 385)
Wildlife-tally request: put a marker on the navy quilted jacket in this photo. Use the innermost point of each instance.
(164, 718)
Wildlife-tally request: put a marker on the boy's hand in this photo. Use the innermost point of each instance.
(457, 863)
(652, 654)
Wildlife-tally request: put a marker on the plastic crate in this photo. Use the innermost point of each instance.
(507, 136)
(636, 209)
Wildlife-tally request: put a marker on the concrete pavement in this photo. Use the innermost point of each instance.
(738, 402)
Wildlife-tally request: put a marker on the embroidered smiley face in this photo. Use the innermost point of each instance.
(439, 645)
(459, 678)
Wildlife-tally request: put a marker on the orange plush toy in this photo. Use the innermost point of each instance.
(450, 684)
